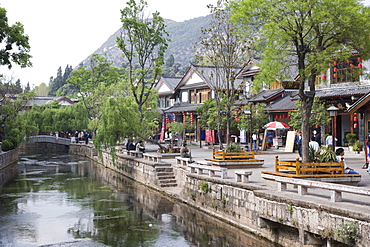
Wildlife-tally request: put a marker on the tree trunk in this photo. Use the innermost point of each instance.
(305, 127)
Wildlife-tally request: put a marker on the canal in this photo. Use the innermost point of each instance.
(68, 200)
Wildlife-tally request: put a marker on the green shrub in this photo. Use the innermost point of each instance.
(7, 145)
(351, 139)
(203, 186)
(357, 146)
(232, 148)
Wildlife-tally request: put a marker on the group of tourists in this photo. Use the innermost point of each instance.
(81, 137)
(138, 146)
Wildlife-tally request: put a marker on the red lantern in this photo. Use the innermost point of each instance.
(335, 63)
(359, 59)
(351, 65)
(335, 75)
(237, 119)
(355, 125)
(355, 113)
(359, 65)
(355, 119)
(360, 72)
(317, 126)
(323, 77)
(335, 69)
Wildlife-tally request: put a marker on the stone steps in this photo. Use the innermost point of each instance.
(166, 176)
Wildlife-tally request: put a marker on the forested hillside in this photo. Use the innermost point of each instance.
(184, 35)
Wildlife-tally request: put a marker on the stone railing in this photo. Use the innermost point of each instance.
(49, 139)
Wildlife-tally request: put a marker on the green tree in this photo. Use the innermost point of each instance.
(12, 127)
(319, 115)
(143, 42)
(208, 113)
(93, 82)
(14, 43)
(305, 35)
(227, 53)
(133, 108)
(42, 90)
(259, 118)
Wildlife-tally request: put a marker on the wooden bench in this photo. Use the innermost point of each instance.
(336, 189)
(299, 169)
(155, 157)
(195, 168)
(234, 156)
(235, 159)
(136, 154)
(182, 161)
(329, 172)
(242, 176)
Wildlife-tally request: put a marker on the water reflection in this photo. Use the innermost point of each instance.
(65, 200)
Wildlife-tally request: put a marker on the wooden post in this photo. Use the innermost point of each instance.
(276, 163)
(297, 166)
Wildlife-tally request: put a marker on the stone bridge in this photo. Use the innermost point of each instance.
(43, 143)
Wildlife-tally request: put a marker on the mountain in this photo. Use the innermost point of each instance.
(184, 36)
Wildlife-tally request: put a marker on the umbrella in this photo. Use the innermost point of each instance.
(276, 126)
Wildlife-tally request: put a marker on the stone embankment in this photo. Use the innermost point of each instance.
(283, 217)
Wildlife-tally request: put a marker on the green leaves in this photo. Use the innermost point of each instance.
(14, 43)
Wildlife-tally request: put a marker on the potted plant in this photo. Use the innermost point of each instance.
(351, 139)
(357, 146)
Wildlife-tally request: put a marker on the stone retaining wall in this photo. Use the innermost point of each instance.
(9, 157)
(283, 220)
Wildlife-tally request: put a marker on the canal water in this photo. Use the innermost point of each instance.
(67, 200)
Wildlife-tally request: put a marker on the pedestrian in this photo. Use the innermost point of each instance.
(254, 139)
(329, 140)
(313, 144)
(185, 153)
(130, 145)
(76, 136)
(140, 146)
(298, 141)
(317, 137)
(340, 153)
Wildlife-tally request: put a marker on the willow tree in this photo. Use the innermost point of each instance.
(227, 52)
(305, 35)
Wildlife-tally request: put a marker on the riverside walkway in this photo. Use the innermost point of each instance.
(351, 202)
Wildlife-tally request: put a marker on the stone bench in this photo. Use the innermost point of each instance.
(336, 189)
(155, 157)
(182, 161)
(242, 176)
(195, 168)
(136, 154)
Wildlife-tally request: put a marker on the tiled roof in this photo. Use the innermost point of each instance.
(182, 108)
(343, 91)
(266, 95)
(171, 82)
(286, 103)
(41, 100)
(207, 73)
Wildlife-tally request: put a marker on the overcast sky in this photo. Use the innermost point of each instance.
(66, 32)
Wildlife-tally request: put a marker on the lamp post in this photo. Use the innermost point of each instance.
(249, 113)
(200, 131)
(333, 112)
